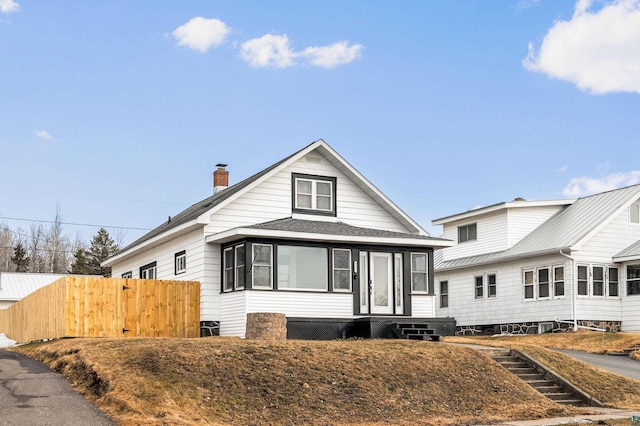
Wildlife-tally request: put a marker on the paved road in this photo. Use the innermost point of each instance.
(33, 395)
(621, 365)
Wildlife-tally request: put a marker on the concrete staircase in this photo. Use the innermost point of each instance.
(627, 351)
(414, 331)
(541, 379)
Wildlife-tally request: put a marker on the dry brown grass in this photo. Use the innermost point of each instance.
(586, 341)
(220, 381)
(613, 390)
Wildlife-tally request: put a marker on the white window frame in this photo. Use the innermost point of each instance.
(180, 262)
(478, 279)
(227, 269)
(617, 281)
(416, 272)
(547, 282)
(315, 196)
(532, 284)
(444, 294)
(556, 281)
(490, 285)
(239, 268)
(334, 269)
(255, 264)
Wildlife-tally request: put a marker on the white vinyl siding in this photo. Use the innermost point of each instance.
(490, 236)
(510, 306)
(305, 305)
(272, 200)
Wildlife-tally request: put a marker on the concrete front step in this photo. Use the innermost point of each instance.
(536, 379)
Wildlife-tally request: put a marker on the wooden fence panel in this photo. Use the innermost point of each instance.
(105, 307)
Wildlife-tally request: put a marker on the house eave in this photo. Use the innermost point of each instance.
(626, 258)
(239, 233)
(153, 242)
(504, 259)
(499, 206)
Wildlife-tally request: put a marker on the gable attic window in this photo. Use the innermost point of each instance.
(634, 213)
(314, 194)
(467, 233)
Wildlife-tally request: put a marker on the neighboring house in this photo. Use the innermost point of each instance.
(309, 237)
(534, 266)
(14, 286)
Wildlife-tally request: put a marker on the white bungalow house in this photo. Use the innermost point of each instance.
(534, 266)
(309, 237)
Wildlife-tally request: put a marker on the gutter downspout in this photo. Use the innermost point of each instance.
(573, 289)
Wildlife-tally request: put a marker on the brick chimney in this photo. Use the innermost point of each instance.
(220, 178)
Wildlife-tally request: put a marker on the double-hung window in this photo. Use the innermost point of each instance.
(261, 267)
(148, 272)
(597, 284)
(341, 270)
(467, 233)
(314, 194)
(419, 281)
(614, 286)
(633, 280)
(180, 262)
(543, 283)
(492, 284)
(527, 279)
(558, 280)
(127, 275)
(479, 287)
(239, 266)
(227, 260)
(583, 280)
(444, 294)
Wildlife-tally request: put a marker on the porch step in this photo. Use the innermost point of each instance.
(414, 331)
(536, 378)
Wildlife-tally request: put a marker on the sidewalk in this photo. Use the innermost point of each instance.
(607, 414)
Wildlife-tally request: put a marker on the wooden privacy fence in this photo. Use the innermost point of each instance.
(105, 307)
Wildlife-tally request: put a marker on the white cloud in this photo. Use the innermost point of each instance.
(579, 187)
(43, 134)
(563, 168)
(268, 50)
(526, 4)
(201, 33)
(275, 51)
(333, 55)
(597, 49)
(8, 6)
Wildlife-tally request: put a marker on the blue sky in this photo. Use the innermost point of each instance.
(118, 111)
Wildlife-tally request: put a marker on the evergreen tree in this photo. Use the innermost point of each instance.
(20, 258)
(81, 264)
(102, 248)
(87, 262)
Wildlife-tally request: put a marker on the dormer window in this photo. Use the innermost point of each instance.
(314, 194)
(467, 233)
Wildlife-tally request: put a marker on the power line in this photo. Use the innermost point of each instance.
(76, 224)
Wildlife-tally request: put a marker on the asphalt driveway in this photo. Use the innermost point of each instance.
(621, 365)
(32, 395)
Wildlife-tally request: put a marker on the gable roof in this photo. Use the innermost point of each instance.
(299, 229)
(515, 204)
(196, 216)
(567, 230)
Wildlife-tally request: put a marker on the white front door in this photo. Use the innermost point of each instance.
(381, 276)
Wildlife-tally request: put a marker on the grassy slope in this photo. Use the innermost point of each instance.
(612, 389)
(232, 381)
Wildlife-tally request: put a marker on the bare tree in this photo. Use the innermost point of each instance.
(6, 248)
